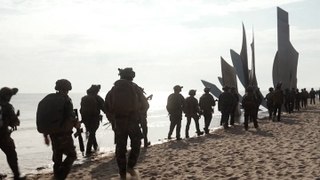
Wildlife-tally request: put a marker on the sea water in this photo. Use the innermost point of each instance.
(34, 154)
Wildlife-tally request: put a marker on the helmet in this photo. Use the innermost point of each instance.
(177, 88)
(126, 73)
(206, 89)
(63, 84)
(192, 92)
(94, 89)
(271, 89)
(6, 92)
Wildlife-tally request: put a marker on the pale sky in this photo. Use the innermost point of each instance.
(167, 42)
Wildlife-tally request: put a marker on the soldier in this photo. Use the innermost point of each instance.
(143, 119)
(207, 103)
(268, 98)
(60, 135)
(277, 102)
(312, 95)
(297, 99)
(175, 106)
(91, 105)
(191, 110)
(249, 103)
(8, 118)
(234, 104)
(225, 103)
(124, 102)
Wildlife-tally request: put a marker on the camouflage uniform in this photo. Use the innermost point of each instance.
(249, 103)
(126, 125)
(175, 106)
(62, 142)
(8, 118)
(90, 119)
(269, 102)
(191, 110)
(206, 104)
(225, 106)
(277, 102)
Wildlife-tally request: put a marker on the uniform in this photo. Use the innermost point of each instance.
(192, 111)
(206, 103)
(8, 118)
(91, 104)
(175, 106)
(125, 121)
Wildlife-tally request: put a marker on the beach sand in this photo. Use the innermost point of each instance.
(289, 149)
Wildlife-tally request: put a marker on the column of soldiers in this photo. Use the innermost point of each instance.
(126, 108)
(292, 100)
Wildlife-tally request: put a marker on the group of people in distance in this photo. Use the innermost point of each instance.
(126, 106)
(289, 99)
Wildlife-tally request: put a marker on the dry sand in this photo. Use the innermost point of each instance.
(289, 149)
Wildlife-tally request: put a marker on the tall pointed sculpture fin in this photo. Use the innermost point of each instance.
(252, 72)
(237, 63)
(213, 88)
(244, 57)
(228, 74)
(286, 60)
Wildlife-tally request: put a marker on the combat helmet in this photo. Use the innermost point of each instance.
(126, 73)
(192, 92)
(6, 93)
(177, 88)
(206, 89)
(63, 85)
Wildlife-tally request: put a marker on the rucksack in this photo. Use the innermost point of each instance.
(89, 106)
(249, 102)
(50, 114)
(123, 98)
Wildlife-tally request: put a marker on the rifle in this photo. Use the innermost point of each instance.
(78, 133)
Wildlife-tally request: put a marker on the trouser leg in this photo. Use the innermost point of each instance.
(178, 129)
(188, 126)
(8, 147)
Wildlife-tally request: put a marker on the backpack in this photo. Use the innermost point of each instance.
(89, 106)
(50, 114)
(249, 102)
(123, 98)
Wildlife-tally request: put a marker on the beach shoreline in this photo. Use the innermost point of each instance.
(288, 149)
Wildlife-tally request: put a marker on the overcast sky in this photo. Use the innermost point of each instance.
(167, 42)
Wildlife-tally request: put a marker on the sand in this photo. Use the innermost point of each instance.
(289, 149)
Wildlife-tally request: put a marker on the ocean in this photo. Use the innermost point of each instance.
(33, 153)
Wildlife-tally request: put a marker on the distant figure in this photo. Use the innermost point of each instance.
(269, 100)
(207, 103)
(175, 106)
(288, 101)
(277, 102)
(234, 104)
(259, 97)
(192, 110)
(305, 96)
(8, 118)
(91, 104)
(225, 106)
(312, 95)
(143, 119)
(123, 104)
(292, 99)
(249, 103)
(55, 118)
(297, 100)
